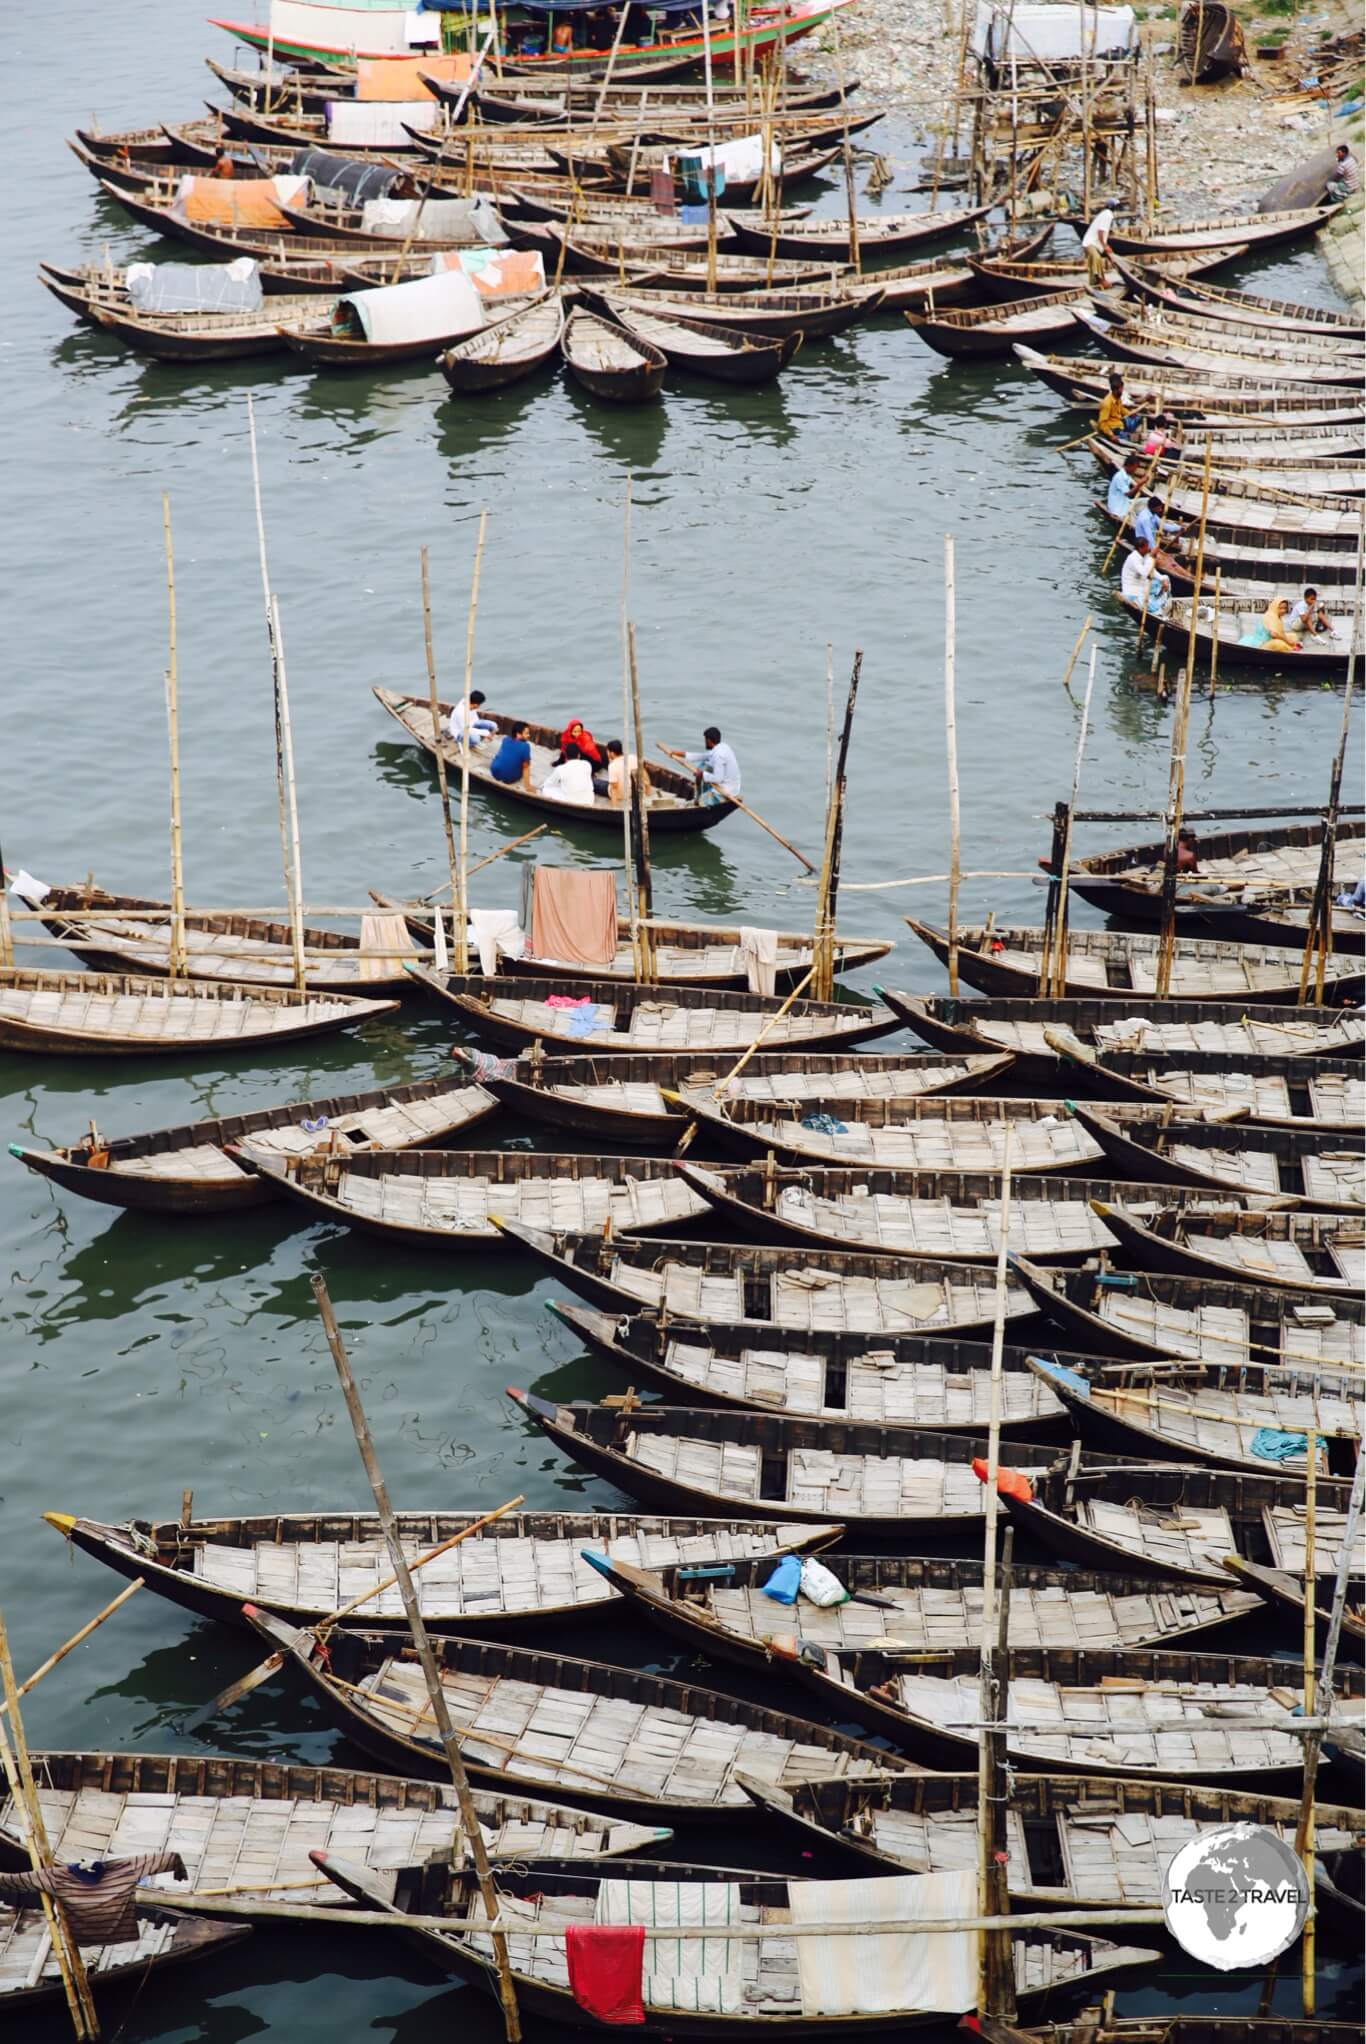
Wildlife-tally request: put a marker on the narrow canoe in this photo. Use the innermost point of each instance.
(1231, 865)
(1328, 1095)
(878, 234)
(994, 329)
(106, 1014)
(611, 362)
(712, 351)
(30, 1972)
(908, 1134)
(506, 351)
(1286, 1166)
(1263, 230)
(1326, 655)
(1291, 1251)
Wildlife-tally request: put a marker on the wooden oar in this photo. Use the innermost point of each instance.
(235, 1691)
(753, 816)
(75, 1640)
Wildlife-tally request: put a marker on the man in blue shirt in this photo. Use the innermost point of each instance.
(1150, 525)
(1123, 483)
(511, 764)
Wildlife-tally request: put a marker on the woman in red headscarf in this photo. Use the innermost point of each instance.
(577, 733)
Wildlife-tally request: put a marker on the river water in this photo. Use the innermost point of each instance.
(140, 1358)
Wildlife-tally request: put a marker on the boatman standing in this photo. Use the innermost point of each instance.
(1095, 246)
(717, 769)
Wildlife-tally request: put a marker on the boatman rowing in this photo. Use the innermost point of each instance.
(717, 769)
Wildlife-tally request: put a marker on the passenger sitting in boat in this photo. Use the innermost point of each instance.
(612, 784)
(571, 781)
(1123, 483)
(577, 736)
(1187, 859)
(1095, 246)
(563, 38)
(465, 721)
(717, 769)
(511, 764)
(1114, 417)
(1271, 629)
(223, 165)
(1307, 616)
(1161, 435)
(1141, 581)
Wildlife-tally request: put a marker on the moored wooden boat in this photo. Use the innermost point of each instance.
(1328, 1095)
(1323, 654)
(1231, 865)
(106, 1014)
(612, 1739)
(31, 1974)
(1289, 1166)
(902, 287)
(1179, 350)
(189, 1169)
(716, 1989)
(994, 329)
(607, 1016)
(446, 1199)
(204, 336)
(702, 349)
(507, 350)
(672, 798)
(891, 1481)
(1121, 965)
(905, 1380)
(1284, 1592)
(631, 1100)
(1214, 301)
(1074, 1841)
(253, 1822)
(914, 1134)
(523, 1570)
(1097, 2026)
(1261, 230)
(1003, 276)
(772, 315)
(1198, 1319)
(1240, 337)
(1223, 396)
(750, 1285)
(610, 362)
(1292, 1251)
(878, 234)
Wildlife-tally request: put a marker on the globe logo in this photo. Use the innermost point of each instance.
(1235, 1897)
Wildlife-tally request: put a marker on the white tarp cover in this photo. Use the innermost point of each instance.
(432, 309)
(472, 222)
(378, 124)
(195, 287)
(867, 1975)
(1050, 33)
(741, 159)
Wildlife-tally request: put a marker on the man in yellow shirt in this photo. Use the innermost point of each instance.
(1114, 418)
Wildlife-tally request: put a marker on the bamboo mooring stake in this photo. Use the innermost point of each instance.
(469, 1818)
(1076, 651)
(177, 960)
(636, 803)
(951, 741)
(996, 1974)
(627, 848)
(823, 937)
(1319, 937)
(463, 905)
(284, 742)
(1058, 977)
(459, 923)
(1177, 782)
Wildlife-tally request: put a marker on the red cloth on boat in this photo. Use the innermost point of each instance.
(576, 732)
(604, 1970)
(1011, 1483)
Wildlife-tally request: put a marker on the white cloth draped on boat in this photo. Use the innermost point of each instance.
(490, 929)
(863, 1975)
(472, 221)
(387, 936)
(759, 949)
(429, 309)
(698, 1974)
(195, 287)
(371, 124)
(741, 159)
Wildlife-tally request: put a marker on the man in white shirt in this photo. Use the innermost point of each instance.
(717, 769)
(571, 780)
(1095, 246)
(465, 720)
(1141, 584)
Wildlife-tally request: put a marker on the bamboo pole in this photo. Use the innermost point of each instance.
(489, 859)
(1177, 781)
(76, 1639)
(1214, 629)
(823, 936)
(1076, 651)
(18, 1772)
(711, 145)
(951, 740)
(774, 1018)
(1320, 933)
(296, 913)
(469, 1817)
(636, 803)
(1059, 973)
(173, 731)
(1304, 1832)
(462, 903)
(289, 843)
(850, 195)
(459, 928)
(996, 1972)
(628, 861)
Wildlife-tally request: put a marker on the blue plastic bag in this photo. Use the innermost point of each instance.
(786, 1580)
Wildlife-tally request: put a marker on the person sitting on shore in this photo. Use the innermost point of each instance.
(1142, 583)
(1346, 179)
(1115, 419)
(570, 781)
(1123, 484)
(511, 764)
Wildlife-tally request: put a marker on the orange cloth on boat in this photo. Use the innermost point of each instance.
(501, 272)
(574, 916)
(387, 935)
(231, 202)
(400, 78)
(1010, 1483)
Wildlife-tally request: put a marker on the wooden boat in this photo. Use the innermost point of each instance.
(892, 1482)
(751, 1286)
(1290, 1166)
(916, 1605)
(219, 944)
(532, 99)
(140, 145)
(189, 1169)
(1097, 2027)
(616, 1741)
(1270, 556)
(1151, 345)
(1218, 1413)
(636, 1017)
(1270, 448)
(879, 234)
(524, 1570)
(445, 1199)
(1017, 277)
(1326, 654)
(507, 350)
(1259, 230)
(674, 267)
(902, 287)
(994, 329)
(711, 351)
(1299, 472)
(342, 344)
(206, 336)
(942, 1214)
(1195, 1319)
(1214, 301)
(631, 1099)
(241, 1821)
(1292, 1251)
(1329, 522)
(1120, 964)
(1083, 380)
(672, 800)
(1261, 863)
(1074, 1841)
(612, 362)
(765, 315)
(800, 161)
(1328, 1095)
(1176, 1519)
(1241, 337)
(108, 1014)
(31, 1974)
(929, 1134)
(1285, 1594)
(735, 1985)
(1174, 1031)
(1209, 42)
